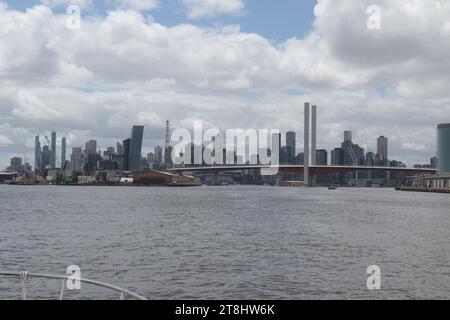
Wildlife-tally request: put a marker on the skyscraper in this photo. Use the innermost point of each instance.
(347, 136)
(276, 139)
(382, 147)
(63, 152)
(290, 146)
(46, 155)
(434, 162)
(53, 151)
(91, 147)
(337, 157)
(353, 154)
(119, 148)
(76, 159)
(37, 154)
(159, 154)
(137, 135)
(126, 154)
(322, 157)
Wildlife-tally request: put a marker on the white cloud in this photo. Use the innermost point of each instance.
(210, 8)
(5, 141)
(84, 4)
(140, 5)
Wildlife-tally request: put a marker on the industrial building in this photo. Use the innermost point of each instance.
(160, 178)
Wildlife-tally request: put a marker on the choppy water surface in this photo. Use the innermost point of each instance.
(237, 242)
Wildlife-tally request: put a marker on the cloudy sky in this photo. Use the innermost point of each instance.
(230, 63)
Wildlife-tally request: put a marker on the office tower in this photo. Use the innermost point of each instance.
(313, 135)
(109, 153)
(434, 162)
(290, 146)
(353, 154)
(150, 159)
(306, 146)
(370, 159)
(143, 165)
(158, 155)
(92, 163)
(137, 135)
(53, 151)
(126, 154)
(46, 155)
(347, 136)
(337, 157)
(321, 157)
(300, 158)
(276, 139)
(37, 154)
(15, 162)
(284, 155)
(91, 147)
(119, 148)
(382, 147)
(63, 152)
(76, 159)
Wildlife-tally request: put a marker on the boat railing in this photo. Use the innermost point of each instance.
(25, 277)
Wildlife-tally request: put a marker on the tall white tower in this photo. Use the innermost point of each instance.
(306, 146)
(313, 135)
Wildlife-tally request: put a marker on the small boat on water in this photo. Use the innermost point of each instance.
(332, 188)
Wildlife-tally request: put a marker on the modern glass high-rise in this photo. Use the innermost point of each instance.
(37, 154)
(276, 143)
(53, 150)
(347, 136)
(126, 154)
(322, 157)
(63, 152)
(290, 146)
(77, 159)
(382, 147)
(159, 155)
(119, 149)
(137, 136)
(46, 155)
(91, 147)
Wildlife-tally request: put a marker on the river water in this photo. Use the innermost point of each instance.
(236, 242)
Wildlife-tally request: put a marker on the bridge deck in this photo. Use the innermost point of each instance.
(314, 170)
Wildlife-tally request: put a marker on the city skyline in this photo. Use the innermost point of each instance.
(232, 71)
(290, 153)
